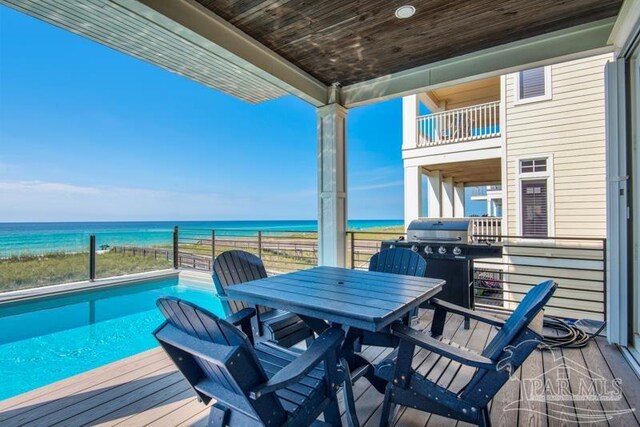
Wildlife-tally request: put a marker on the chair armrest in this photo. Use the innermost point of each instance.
(213, 353)
(452, 308)
(241, 317)
(463, 356)
(305, 363)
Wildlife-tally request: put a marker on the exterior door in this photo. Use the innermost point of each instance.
(618, 291)
(634, 96)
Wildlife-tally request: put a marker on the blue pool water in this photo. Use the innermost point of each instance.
(54, 338)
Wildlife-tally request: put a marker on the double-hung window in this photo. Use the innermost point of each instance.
(535, 197)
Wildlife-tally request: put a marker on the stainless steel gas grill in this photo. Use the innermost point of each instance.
(447, 246)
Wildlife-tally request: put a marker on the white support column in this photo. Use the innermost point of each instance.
(332, 185)
(412, 193)
(410, 113)
(458, 200)
(433, 194)
(447, 197)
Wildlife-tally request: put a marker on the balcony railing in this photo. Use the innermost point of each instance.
(463, 124)
(486, 228)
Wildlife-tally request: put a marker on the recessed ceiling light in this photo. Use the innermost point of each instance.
(406, 11)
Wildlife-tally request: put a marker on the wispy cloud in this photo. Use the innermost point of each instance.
(368, 187)
(58, 201)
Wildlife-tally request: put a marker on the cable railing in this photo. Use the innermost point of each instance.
(577, 264)
(281, 251)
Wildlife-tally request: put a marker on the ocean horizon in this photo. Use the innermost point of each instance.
(17, 238)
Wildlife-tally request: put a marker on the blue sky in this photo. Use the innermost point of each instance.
(88, 133)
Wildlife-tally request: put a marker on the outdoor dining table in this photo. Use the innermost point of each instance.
(362, 302)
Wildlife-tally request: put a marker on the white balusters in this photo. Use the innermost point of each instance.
(462, 124)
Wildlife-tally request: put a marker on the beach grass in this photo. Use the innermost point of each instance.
(32, 271)
(282, 253)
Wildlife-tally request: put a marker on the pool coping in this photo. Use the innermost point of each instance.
(64, 288)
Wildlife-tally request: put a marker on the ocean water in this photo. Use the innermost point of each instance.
(42, 237)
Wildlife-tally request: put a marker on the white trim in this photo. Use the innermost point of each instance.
(503, 162)
(230, 43)
(617, 187)
(549, 176)
(456, 152)
(626, 27)
(434, 188)
(71, 287)
(413, 193)
(410, 110)
(548, 92)
(430, 101)
(332, 185)
(572, 43)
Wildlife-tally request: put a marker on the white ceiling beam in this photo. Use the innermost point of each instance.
(431, 101)
(564, 45)
(189, 19)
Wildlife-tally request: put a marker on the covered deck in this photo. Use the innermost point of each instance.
(146, 389)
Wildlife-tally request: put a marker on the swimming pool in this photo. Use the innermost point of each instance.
(52, 338)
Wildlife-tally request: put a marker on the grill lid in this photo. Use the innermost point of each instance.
(442, 230)
(428, 224)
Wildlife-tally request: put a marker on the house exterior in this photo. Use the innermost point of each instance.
(339, 63)
(531, 145)
(531, 142)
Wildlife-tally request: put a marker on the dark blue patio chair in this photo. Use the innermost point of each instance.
(262, 385)
(398, 261)
(510, 347)
(235, 267)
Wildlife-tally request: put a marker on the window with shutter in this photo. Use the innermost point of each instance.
(534, 208)
(532, 83)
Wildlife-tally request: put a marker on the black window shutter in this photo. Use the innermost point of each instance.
(532, 83)
(534, 208)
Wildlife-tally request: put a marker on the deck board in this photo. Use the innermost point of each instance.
(147, 390)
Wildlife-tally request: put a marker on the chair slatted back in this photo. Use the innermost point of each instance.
(398, 261)
(235, 267)
(232, 376)
(511, 346)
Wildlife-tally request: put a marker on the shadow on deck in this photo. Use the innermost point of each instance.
(147, 390)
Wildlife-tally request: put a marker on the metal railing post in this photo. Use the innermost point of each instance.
(175, 247)
(92, 257)
(353, 250)
(259, 244)
(213, 246)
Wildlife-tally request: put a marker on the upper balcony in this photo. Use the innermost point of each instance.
(462, 123)
(470, 123)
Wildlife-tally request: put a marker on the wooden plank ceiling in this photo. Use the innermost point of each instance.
(354, 41)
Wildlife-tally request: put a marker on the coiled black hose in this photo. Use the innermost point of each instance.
(567, 336)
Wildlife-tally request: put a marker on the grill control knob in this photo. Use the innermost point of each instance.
(457, 251)
(414, 248)
(442, 250)
(428, 250)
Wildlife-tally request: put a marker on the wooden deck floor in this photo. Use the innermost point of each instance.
(146, 390)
